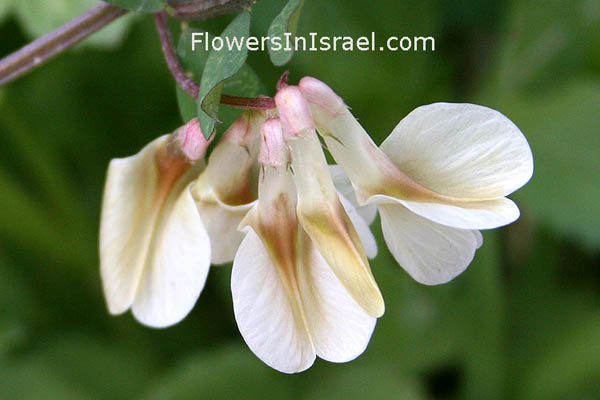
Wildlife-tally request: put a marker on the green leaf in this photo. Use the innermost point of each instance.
(188, 108)
(562, 129)
(39, 17)
(221, 65)
(147, 6)
(285, 22)
(244, 83)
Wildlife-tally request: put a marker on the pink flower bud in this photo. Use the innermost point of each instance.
(190, 141)
(294, 110)
(273, 150)
(321, 95)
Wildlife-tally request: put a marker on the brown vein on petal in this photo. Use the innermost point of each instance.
(332, 232)
(394, 182)
(279, 233)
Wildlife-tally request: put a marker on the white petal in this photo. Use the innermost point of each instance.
(176, 268)
(344, 187)
(221, 222)
(223, 195)
(461, 150)
(431, 253)
(264, 314)
(362, 229)
(485, 214)
(126, 224)
(479, 238)
(324, 219)
(339, 328)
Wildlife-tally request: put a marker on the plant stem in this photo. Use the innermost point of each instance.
(44, 48)
(198, 10)
(166, 42)
(187, 84)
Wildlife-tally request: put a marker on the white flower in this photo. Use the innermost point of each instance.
(301, 283)
(441, 175)
(320, 210)
(226, 189)
(154, 250)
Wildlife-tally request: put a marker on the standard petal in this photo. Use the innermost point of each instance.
(339, 328)
(461, 150)
(266, 317)
(344, 187)
(485, 214)
(431, 253)
(126, 224)
(364, 232)
(177, 264)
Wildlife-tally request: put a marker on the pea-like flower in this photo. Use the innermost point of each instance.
(297, 229)
(154, 249)
(440, 176)
(226, 189)
(301, 283)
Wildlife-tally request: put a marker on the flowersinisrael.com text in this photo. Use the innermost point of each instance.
(313, 42)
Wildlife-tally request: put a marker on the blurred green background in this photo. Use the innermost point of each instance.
(523, 322)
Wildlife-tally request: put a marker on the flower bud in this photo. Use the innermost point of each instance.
(321, 95)
(188, 142)
(273, 150)
(294, 111)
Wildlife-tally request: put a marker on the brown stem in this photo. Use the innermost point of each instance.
(187, 84)
(44, 48)
(166, 42)
(254, 103)
(198, 10)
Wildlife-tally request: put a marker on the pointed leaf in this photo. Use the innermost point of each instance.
(284, 25)
(244, 83)
(221, 65)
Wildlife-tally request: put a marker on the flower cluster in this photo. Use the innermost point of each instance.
(297, 229)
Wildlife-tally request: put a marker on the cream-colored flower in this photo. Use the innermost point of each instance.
(320, 209)
(226, 189)
(441, 175)
(293, 300)
(154, 250)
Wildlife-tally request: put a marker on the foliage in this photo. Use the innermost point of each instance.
(221, 64)
(286, 22)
